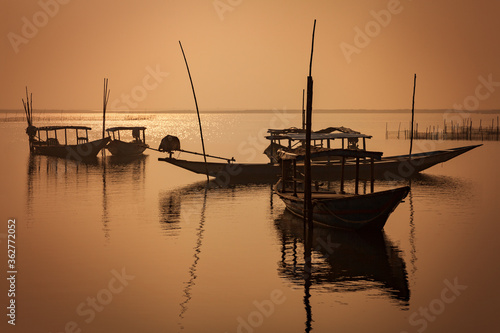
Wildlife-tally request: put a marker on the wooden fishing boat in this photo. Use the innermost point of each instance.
(136, 146)
(354, 211)
(45, 141)
(391, 167)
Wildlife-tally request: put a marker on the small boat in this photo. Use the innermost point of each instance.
(48, 143)
(354, 211)
(45, 141)
(134, 147)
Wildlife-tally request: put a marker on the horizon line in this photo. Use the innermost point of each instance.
(252, 111)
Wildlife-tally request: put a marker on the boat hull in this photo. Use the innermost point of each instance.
(121, 148)
(388, 168)
(77, 152)
(367, 212)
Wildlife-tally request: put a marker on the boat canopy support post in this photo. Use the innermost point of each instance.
(372, 175)
(342, 175)
(356, 190)
(294, 177)
(328, 146)
(284, 178)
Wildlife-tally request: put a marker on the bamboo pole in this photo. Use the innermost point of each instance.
(105, 99)
(308, 207)
(28, 110)
(197, 111)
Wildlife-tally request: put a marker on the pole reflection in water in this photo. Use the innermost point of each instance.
(413, 251)
(308, 244)
(118, 171)
(33, 168)
(105, 216)
(192, 270)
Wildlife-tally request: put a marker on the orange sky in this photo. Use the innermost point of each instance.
(250, 54)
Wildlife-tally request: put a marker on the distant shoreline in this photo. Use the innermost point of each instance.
(437, 111)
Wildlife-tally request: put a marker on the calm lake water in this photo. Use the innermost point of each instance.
(143, 246)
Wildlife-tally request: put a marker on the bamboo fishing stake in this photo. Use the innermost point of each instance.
(105, 99)
(28, 110)
(197, 111)
(412, 113)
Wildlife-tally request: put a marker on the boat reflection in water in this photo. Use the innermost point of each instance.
(342, 261)
(101, 182)
(170, 212)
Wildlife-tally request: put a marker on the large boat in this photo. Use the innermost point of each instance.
(390, 167)
(119, 147)
(354, 211)
(45, 141)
